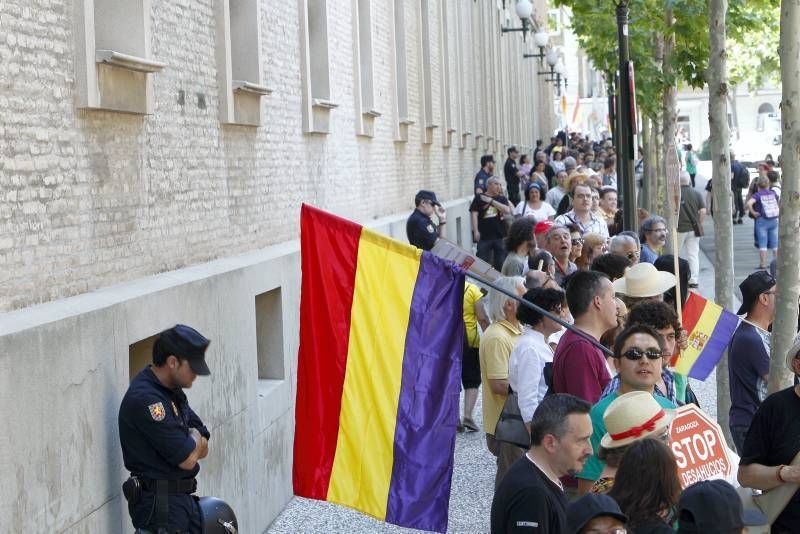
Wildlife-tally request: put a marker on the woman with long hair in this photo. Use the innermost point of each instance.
(594, 245)
(647, 487)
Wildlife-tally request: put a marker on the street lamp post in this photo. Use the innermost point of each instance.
(625, 148)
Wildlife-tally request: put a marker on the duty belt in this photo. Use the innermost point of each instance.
(184, 485)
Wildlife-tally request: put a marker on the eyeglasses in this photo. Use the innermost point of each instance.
(769, 292)
(578, 241)
(631, 255)
(658, 230)
(636, 354)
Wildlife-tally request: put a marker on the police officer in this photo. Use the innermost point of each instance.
(162, 438)
(420, 228)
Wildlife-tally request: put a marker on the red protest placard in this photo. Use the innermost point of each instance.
(699, 447)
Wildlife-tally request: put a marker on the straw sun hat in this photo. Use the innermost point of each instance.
(644, 280)
(790, 356)
(634, 416)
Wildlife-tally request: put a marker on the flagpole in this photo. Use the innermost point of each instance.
(544, 312)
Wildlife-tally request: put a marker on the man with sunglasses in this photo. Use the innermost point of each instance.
(625, 246)
(748, 353)
(638, 353)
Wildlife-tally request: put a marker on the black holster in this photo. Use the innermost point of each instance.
(132, 490)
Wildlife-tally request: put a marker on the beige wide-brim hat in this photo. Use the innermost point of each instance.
(644, 280)
(634, 416)
(790, 356)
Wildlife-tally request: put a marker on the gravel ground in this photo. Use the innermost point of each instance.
(470, 499)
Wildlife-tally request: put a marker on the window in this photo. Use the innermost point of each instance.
(317, 99)
(239, 61)
(445, 63)
(112, 56)
(554, 21)
(426, 90)
(363, 68)
(269, 335)
(459, 238)
(461, 89)
(140, 354)
(402, 120)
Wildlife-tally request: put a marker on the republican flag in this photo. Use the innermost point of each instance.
(379, 365)
(710, 329)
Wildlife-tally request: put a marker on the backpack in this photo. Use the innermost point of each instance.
(769, 205)
(741, 177)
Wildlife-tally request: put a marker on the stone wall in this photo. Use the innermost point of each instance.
(90, 198)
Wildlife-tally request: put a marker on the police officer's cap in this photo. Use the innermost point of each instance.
(187, 343)
(424, 194)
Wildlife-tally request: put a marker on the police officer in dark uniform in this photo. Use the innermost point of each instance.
(420, 228)
(162, 438)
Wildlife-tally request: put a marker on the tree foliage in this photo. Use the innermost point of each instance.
(752, 30)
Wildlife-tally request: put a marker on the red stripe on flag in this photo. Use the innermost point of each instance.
(329, 254)
(695, 305)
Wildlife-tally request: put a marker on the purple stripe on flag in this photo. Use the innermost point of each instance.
(715, 346)
(427, 413)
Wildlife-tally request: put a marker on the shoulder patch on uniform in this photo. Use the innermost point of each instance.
(430, 228)
(157, 411)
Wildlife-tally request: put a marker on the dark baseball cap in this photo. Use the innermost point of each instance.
(590, 506)
(187, 344)
(751, 287)
(713, 506)
(424, 194)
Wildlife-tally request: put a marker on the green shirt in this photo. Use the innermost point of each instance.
(594, 466)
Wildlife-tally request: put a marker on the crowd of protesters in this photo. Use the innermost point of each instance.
(597, 400)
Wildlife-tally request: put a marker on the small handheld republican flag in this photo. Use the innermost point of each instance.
(710, 329)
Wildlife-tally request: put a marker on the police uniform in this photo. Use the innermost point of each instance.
(422, 233)
(154, 425)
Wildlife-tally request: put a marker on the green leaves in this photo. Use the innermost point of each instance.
(752, 28)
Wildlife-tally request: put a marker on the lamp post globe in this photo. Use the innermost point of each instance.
(541, 38)
(552, 57)
(524, 9)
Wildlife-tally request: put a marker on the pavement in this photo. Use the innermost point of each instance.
(470, 498)
(474, 466)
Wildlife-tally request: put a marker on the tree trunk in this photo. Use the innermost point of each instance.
(717, 78)
(659, 185)
(646, 194)
(669, 103)
(783, 330)
(732, 96)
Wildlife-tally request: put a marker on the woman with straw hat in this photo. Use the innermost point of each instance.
(643, 282)
(629, 418)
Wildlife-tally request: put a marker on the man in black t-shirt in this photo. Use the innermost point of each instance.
(488, 227)
(772, 443)
(530, 497)
(512, 175)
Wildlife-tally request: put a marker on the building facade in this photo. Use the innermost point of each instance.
(153, 160)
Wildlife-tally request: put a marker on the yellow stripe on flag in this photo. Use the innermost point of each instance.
(362, 467)
(702, 333)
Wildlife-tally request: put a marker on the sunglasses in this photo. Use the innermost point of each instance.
(577, 242)
(636, 354)
(631, 255)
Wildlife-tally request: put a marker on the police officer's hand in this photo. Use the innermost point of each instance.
(203, 452)
(441, 213)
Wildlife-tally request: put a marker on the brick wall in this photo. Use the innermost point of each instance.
(94, 198)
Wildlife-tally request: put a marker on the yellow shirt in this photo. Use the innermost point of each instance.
(472, 294)
(495, 351)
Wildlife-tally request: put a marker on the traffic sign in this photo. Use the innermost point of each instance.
(699, 447)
